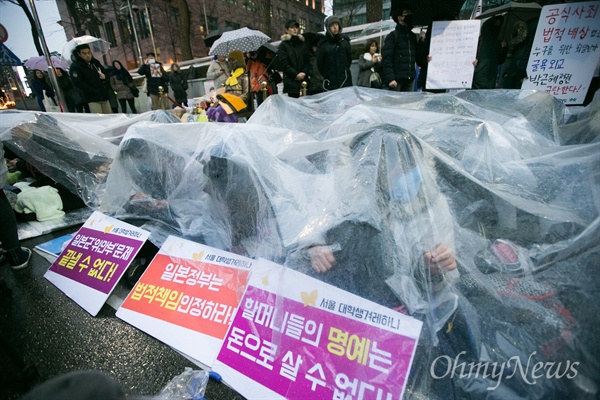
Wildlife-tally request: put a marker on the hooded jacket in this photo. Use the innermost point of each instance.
(399, 54)
(86, 76)
(294, 57)
(334, 58)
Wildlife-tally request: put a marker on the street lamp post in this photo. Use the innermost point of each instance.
(47, 55)
(137, 42)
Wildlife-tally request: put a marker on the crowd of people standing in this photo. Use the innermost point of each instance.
(307, 63)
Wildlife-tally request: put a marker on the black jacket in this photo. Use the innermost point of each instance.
(399, 54)
(155, 77)
(179, 85)
(294, 57)
(334, 58)
(86, 77)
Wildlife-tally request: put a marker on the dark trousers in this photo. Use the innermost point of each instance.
(131, 102)
(8, 233)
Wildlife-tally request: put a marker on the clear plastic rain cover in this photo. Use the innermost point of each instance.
(475, 212)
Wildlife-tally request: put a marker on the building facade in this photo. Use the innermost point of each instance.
(157, 23)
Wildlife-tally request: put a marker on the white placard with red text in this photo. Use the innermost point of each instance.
(565, 51)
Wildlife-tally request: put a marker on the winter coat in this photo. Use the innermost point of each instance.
(366, 67)
(121, 82)
(399, 54)
(86, 77)
(155, 77)
(179, 85)
(490, 55)
(213, 73)
(69, 89)
(3, 168)
(334, 57)
(39, 86)
(293, 57)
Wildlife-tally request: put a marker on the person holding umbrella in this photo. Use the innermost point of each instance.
(90, 76)
(39, 86)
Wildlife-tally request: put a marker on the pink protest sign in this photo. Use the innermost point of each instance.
(294, 337)
(90, 266)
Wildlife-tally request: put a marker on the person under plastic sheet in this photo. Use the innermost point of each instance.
(49, 155)
(153, 172)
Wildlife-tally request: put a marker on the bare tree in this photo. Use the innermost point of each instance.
(374, 10)
(34, 31)
(184, 30)
(348, 10)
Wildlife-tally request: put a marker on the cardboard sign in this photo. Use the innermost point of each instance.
(90, 266)
(565, 51)
(187, 297)
(453, 50)
(295, 337)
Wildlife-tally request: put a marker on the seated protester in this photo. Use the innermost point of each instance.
(238, 83)
(49, 155)
(226, 108)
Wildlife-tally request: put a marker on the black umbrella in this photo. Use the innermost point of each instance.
(425, 10)
(214, 35)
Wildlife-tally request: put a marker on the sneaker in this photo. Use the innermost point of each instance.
(24, 264)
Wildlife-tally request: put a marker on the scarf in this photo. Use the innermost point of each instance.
(232, 80)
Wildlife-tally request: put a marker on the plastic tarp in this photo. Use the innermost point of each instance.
(507, 180)
(74, 150)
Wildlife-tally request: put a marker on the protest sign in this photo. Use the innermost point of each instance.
(187, 297)
(296, 337)
(90, 266)
(453, 50)
(565, 51)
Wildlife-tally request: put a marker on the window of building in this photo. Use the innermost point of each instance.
(250, 5)
(213, 23)
(318, 5)
(110, 34)
(142, 25)
(281, 13)
(232, 25)
(302, 23)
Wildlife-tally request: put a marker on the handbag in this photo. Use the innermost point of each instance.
(375, 79)
(134, 91)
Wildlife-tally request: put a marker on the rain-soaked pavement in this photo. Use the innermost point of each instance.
(43, 331)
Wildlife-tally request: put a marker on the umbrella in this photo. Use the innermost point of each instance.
(243, 39)
(40, 62)
(515, 15)
(424, 11)
(97, 45)
(210, 39)
(378, 27)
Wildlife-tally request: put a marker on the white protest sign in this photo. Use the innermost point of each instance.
(453, 50)
(565, 51)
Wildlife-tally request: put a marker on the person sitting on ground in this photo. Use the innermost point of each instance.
(18, 257)
(238, 83)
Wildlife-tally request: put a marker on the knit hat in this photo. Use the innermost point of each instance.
(290, 23)
(236, 55)
(231, 103)
(333, 20)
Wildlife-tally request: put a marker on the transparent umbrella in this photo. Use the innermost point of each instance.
(97, 45)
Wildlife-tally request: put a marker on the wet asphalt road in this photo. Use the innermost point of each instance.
(43, 331)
